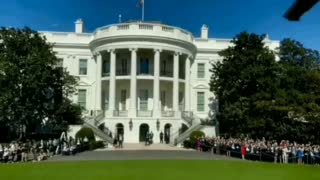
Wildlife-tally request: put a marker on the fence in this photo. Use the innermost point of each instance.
(263, 155)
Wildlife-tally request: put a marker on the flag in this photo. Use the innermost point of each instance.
(140, 3)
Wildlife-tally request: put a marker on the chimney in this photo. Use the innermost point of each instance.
(79, 26)
(204, 32)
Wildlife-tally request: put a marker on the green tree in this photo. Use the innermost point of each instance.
(32, 88)
(245, 82)
(299, 91)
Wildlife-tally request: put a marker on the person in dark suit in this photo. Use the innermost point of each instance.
(161, 137)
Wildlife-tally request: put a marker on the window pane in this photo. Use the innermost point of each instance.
(83, 66)
(143, 100)
(82, 98)
(200, 101)
(106, 67)
(201, 70)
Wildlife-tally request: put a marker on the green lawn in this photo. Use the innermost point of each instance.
(154, 170)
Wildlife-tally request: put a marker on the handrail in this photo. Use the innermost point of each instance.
(99, 133)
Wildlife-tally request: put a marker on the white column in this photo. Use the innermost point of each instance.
(156, 84)
(187, 85)
(133, 84)
(99, 74)
(175, 93)
(112, 85)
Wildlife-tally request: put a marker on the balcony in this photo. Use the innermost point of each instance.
(144, 113)
(118, 113)
(165, 73)
(167, 114)
(122, 72)
(144, 29)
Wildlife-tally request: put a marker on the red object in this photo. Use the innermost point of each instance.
(243, 150)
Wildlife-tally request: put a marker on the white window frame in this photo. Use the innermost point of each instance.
(201, 73)
(86, 68)
(201, 107)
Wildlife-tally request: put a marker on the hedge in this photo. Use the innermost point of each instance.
(86, 132)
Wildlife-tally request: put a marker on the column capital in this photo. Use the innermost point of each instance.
(157, 50)
(133, 49)
(111, 50)
(190, 57)
(177, 53)
(96, 53)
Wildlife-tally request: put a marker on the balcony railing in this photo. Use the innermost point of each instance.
(122, 72)
(105, 74)
(167, 114)
(118, 113)
(144, 113)
(166, 73)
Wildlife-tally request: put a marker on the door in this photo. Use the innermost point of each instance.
(120, 129)
(143, 100)
(144, 129)
(167, 133)
(163, 100)
(123, 100)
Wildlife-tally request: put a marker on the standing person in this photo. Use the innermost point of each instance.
(1, 152)
(300, 155)
(151, 137)
(161, 137)
(243, 151)
(115, 141)
(147, 139)
(120, 141)
(285, 153)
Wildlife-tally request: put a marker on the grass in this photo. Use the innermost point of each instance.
(154, 170)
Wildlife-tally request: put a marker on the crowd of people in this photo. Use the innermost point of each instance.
(262, 150)
(39, 151)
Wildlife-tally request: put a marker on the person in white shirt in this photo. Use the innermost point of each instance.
(285, 154)
(1, 151)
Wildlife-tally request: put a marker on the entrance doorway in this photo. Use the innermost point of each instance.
(119, 129)
(144, 129)
(167, 133)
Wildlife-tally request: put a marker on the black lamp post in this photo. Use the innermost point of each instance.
(158, 124)
(130, 124)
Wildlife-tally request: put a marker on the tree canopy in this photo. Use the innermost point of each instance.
(33, 88)
(261, 97)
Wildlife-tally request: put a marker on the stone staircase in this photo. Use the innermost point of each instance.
(93, 123)
(194, 123)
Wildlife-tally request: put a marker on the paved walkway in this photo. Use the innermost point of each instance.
(141, 152)
(141, 146)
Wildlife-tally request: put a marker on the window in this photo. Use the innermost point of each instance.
(181, 101)
(106, 67)
(105, 96)
(82, 98)
(124, 65)
(144, 66)
(143, 100)
(123, 100)
(83, 63)
(201, 72)
(163, 68)
(163, 99)
(200, 101)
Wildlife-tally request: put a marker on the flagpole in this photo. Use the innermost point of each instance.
(142, 10)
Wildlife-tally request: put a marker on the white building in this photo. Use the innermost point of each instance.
(137, 77)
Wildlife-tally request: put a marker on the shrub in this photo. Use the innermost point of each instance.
(86, 132)
(187, 144)
(96, 145)
(193, 138)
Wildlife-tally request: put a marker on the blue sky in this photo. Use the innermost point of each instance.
(225, 18)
